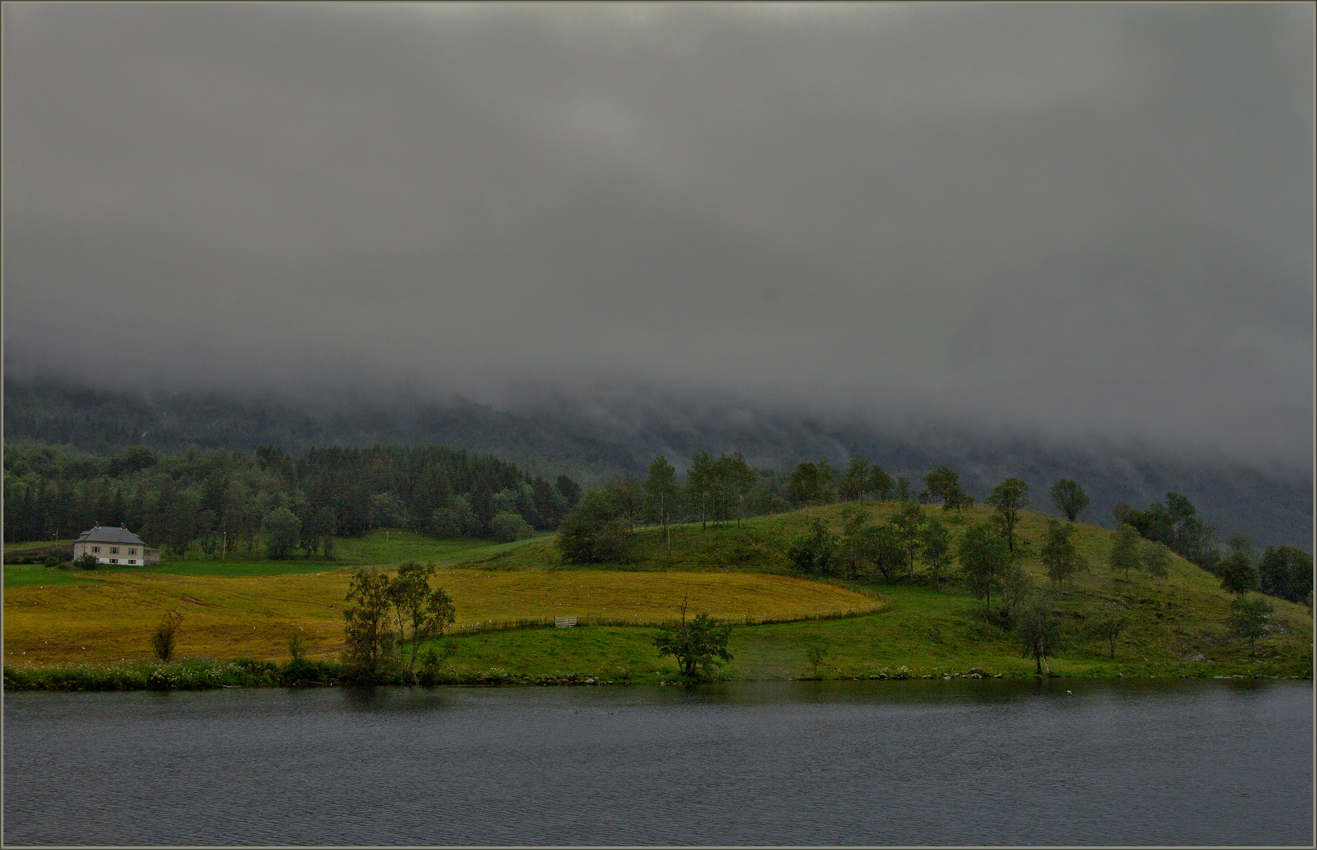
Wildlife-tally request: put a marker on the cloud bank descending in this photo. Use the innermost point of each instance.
(1077, 220)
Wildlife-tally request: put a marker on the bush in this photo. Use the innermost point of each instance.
(301, 672)
(166, 635)
(508, 527)
(86, 561)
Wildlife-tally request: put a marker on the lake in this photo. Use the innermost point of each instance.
(917, 762)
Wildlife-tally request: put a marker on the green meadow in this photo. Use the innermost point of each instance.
(1176, 626)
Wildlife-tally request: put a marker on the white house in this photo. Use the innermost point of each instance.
(115, 546)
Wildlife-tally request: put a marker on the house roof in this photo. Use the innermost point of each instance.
(107, 534)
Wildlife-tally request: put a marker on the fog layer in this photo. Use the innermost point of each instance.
(1079, 221)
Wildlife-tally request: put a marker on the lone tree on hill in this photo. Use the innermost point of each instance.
(699, 645)
(1069, 498)
(1009, 498)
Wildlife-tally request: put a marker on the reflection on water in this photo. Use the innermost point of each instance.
(918, 762)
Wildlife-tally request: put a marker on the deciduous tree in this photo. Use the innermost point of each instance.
(420, 612)
(1009, 498)
(1059, 554)
(699, 645)
(813, 553)
(984, 558)
(1108, 627)
(856, 480)
(1037, 631)
(1286, 572)
(935, 548)
(1237, 572)
(880, 482)
(627, 495)
(661, 494)
(369, 633)
(283, 533)
(907, 524)
(1156, 559)
(594, 533)
(1124, 550)
(1069, 498)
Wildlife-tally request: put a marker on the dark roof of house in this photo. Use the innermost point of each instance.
(105, 534)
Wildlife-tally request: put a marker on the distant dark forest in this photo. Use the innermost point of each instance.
(205, 500)
(1267, 508)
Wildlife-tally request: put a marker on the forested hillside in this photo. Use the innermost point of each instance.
(594, 447)
(205, 500)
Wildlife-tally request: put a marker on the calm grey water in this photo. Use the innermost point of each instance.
(992, 762)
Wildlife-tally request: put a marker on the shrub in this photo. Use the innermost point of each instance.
(86, 561)
(166, 635)
(301, 671)
(508, 527)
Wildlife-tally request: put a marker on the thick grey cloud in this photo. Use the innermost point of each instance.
(1080, 220)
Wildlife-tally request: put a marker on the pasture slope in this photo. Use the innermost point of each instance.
(1177, 626)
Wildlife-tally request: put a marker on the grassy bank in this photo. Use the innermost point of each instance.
(888, 645)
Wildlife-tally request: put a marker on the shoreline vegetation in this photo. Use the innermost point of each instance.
(90, 630)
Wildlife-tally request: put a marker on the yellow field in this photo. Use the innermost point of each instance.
(253, 617)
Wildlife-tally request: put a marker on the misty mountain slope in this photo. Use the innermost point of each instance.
(101, 422)
(594, 441)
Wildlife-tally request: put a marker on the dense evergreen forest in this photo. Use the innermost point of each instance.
(205, 500)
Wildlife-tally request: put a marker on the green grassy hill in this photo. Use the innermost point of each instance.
(1177, 625)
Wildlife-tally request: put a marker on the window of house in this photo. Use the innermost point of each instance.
(131, 562)
(114, 560)
(114, 550)
(96, 549)
(132, 551)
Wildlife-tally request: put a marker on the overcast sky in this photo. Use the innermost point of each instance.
(1088, 220)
